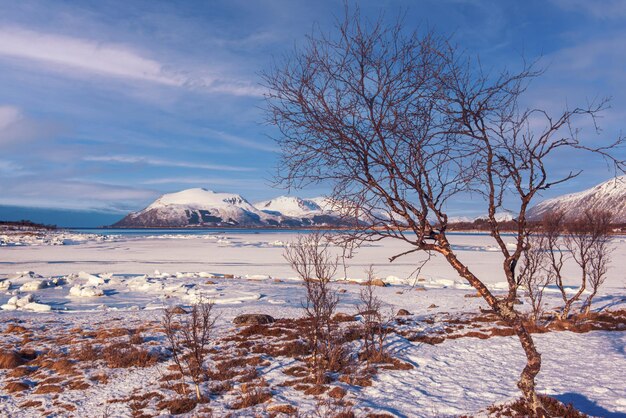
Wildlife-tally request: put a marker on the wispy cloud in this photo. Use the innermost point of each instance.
(208, 182)
(129, 159)
(69, 194)
(111, 60)
(238, 140)
(84, 55)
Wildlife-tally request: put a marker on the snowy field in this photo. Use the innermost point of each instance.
(92, 281)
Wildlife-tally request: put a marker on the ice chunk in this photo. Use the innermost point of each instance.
(20, 302)
(92, 280)
(33, 285)
(80, 291)
(37, 307)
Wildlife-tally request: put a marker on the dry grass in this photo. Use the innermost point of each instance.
(125, 355)
(101, 378)
(284, 409)
(552, 406)
(10, 359)
(250, 396)
(21, 371)
(18, 386)
(178, 406)
(43, 389)
(105, 334)
(31, 404)
(15, 329)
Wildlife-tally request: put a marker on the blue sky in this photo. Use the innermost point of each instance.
(106, 105)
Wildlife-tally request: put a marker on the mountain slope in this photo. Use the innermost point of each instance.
(610, 196)
(289, 206)
(296, 211)
(199, 207)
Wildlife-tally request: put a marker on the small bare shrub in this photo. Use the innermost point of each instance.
(534, 274)
(311, 258)
(599, 254)
(375, 324)
(188, 336)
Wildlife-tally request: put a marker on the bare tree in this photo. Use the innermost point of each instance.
(401, 124)
(598, 227)
(188, 336)
(585, 241)
(310, 256)
(553, 228)
(534, 274)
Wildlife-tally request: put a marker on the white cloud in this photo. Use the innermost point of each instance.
(127, 159)
(69, 54)
(85, 55)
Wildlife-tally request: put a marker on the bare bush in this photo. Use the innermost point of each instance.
(585, 241)
(599, 229)
(375, 323)
(188, 336)
(534, 275)
(311, 258)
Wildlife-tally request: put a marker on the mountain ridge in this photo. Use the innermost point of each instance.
(609, 195)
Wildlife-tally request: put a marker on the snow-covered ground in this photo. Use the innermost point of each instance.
(128, 279)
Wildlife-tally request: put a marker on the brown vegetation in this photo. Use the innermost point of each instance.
(16, 386)
(10, 359)
(519, 408)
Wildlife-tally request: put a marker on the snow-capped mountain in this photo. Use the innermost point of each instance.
(610, 196)
(199, 207)
(289, 206)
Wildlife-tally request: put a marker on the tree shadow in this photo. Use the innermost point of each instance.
(587, 406)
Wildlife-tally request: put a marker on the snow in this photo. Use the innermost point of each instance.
(291, 206)
(201, 198)
(610, 196)
(127, 280)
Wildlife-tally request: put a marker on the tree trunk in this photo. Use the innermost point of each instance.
(507, 312)
(587, 305)
(568, 305)
(526, 382)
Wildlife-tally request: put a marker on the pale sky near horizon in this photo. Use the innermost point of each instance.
(106, 105)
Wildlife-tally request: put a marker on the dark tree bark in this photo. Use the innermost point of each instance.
(400, 124)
